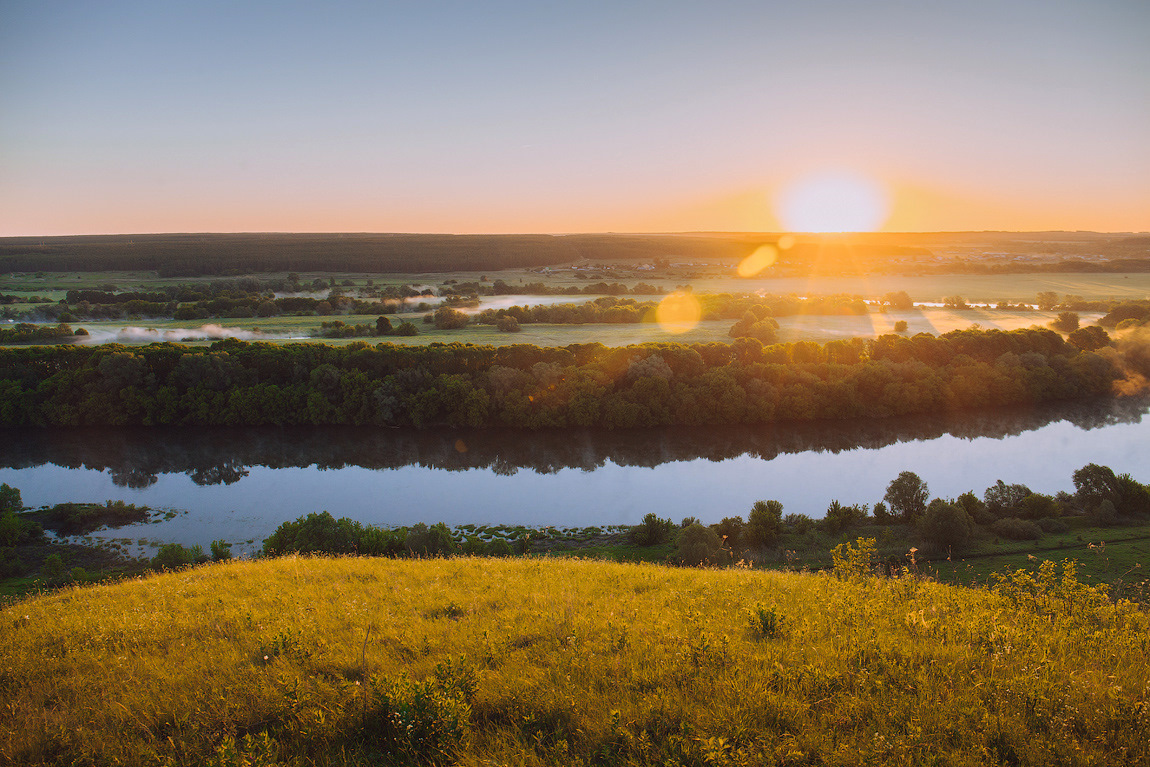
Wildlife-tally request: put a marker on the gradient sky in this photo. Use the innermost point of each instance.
(562, 117)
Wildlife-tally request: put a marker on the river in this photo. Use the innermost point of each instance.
(239, 485)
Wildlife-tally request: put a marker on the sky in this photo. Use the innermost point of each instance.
(540, 116)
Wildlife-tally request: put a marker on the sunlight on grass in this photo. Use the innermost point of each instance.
(340, 661)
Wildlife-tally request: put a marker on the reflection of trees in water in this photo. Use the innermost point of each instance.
(135, 457)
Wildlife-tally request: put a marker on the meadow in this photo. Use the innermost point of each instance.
(567, 662)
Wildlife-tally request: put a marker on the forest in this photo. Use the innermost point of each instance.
(233, 383)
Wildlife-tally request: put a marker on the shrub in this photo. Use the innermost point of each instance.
(1003, 500)
(1016, 529)
(699, 545)
(946, 525)
(434, 541)
(173, 556)
(1053, 525)
(499, 548)
(765, 622)
(900, 326)
(1104, 514)
(839, 517)
(221, 551)
(1066, 322)
(507, 324)
(730, 531)
(446, 318)
(1039, 506)
(800, 523)
(651, 531)
(406, 329)
(763, 523)
(314, 534)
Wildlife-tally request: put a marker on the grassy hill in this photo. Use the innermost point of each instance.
(482, 661)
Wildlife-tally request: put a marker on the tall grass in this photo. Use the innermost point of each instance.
(482, 661)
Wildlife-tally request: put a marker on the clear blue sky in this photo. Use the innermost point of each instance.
(590, 116)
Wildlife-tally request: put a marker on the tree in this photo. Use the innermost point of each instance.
(651, 531)
(699, 545)
(764, 523)
(382, 326)
(10, 500)
(1047, 300)
(507, 324)
(907, 495)
(1066, 322)
(1003, 500)
(900, 326)
(1087, 339)
(446, 318)
(730, 530)
(945, 525)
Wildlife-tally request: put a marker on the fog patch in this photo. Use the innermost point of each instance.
(210, 332)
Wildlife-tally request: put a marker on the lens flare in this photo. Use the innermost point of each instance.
(678, 312)
(763, 257)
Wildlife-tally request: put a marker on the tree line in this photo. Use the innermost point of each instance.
(520, 385)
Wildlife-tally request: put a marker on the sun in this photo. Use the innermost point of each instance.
(833, 201)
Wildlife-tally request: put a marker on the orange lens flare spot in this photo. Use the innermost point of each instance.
(763, 257)
(678, 312)
(786, 242)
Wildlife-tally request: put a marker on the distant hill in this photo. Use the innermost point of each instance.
(173, 255)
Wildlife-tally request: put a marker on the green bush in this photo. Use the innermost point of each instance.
(434, 541)
(699, 545)
(651, 531)
(764, 523)
(499, 548)
(945, 525)
(221, 551)
(1016, 529)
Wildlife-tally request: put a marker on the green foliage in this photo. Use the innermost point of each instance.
(907, 495)
(499, 548)
(1066, 322)
(799, 523)
(81, 518)
(730, 531)
(53, 568)
(434, 541)
(840, 517)
(699, 545)
(946, 526)
(314, 534)
(10, 501)
(221, 551)
(765, 621)
(446, 318)
(1003, 500)
(764, 523)
(651, 531)
(173, 556)
(1016, 529)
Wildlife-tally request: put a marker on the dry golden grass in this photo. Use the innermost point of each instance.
(327, 661)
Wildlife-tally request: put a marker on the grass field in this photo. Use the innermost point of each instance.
(802, 328)
(976, 288)
(566, 662)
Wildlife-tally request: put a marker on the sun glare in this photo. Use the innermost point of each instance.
(678, 312)
(833, 201)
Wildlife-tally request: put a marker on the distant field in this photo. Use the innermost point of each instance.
(976, 288)
(805, 328)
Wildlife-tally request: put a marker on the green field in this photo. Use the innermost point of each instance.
(798, 328)
(975, 288)
(565, 662)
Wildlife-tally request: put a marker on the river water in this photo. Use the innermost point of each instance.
(239, 485)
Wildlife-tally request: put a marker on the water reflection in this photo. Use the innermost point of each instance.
(135, 458)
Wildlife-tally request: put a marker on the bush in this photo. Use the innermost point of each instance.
(730, 531)
(651, 531)
(507, 324)
(1053, 525)
(315, 534)
(1104, 514)
(764, 523)
(800, 523)
(173, 556)
(699, 545)
(406, 329)
(945, 525)
(446, 318)
(499, 548)
(434, 541)
(221, 551)
(1016, 529)
(839, 517)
